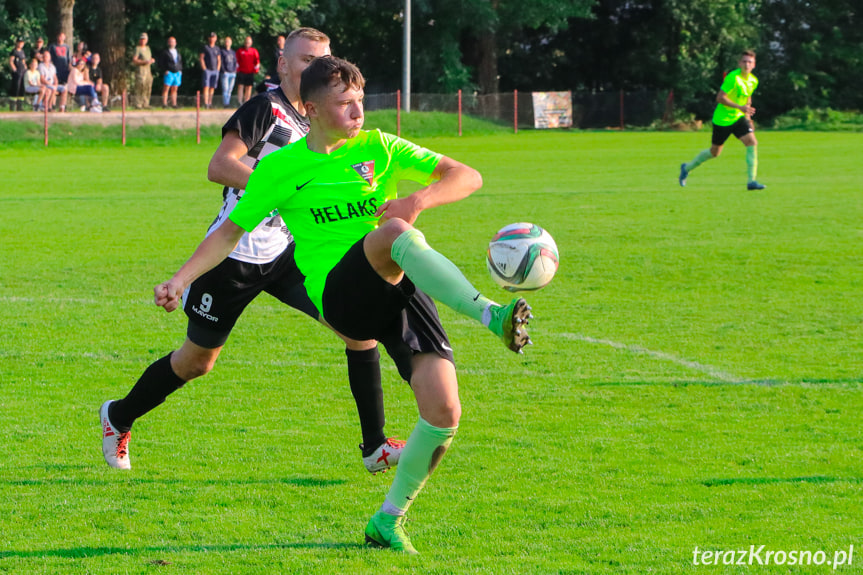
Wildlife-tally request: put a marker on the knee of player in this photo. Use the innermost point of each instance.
(194, 367)
(715, 151)
(395, 227)
(447, 414)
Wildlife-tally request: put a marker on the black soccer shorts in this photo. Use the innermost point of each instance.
(216, 300)
(362, 305)
(739, 128)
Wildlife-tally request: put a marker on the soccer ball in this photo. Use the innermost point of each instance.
(521, 257)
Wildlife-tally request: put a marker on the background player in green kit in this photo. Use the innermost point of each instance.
(733, 115)
(368, 270)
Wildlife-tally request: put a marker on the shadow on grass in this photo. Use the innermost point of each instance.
(84, 552)
(772, 480)
(297, 481)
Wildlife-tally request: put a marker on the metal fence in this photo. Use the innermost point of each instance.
(590, 110)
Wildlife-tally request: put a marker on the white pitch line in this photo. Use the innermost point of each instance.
(67, 300)
(709, 370)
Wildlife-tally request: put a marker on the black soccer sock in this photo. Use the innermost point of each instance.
(364, 375)
(156, 383)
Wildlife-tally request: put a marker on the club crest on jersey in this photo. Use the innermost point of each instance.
(366, 170)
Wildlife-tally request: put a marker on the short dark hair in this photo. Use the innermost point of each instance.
(747, 53)
(326, 72)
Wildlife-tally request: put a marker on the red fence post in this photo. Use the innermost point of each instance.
(459, 112)
(198, 117)
(515, 111)
(123, 118)
(399, 113)
(668, 116)
(46, 123)
(621, 108)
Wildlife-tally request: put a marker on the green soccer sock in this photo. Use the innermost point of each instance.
(702, 157)
(752, 162)
(423, 451)
(434, 274)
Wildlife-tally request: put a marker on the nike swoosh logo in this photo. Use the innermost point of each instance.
(446, 347)
(476, 297)
(301, 186)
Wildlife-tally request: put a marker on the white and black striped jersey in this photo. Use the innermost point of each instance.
(265, 123)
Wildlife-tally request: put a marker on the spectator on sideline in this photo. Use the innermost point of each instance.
(229, 71)
(17, 62)
(81, 51)
(38, 49)
(277, 53)
(211, 62)
(99, 84)
(33, 84)
(171, 63)
(79, 84)
(61, 55)
(48, 74)
(143, 86)
(248, 64)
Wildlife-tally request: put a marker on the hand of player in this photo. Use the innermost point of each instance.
(748, 110)
(405, 208)
(167, 294)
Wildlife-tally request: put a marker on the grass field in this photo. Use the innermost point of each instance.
(696, 378)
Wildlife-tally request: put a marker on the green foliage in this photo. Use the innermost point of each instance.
(808, 52)
(695, 379)
(826, 120)
(370, 34)
(810, 55)
(19, 19)
(191, 21)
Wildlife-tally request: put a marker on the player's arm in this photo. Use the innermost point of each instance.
(723, 99)
(454, 181)
(225, 166)
(210, 253)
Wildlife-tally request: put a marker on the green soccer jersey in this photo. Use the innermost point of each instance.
(739, 90)
(328, 201)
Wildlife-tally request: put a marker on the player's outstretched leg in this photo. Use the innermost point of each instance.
(685, 168)
(155, 384)
(510, 324)
(115, 444)
(433, 273)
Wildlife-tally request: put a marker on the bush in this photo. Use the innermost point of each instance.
(827, 120)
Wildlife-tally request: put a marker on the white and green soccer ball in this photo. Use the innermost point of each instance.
(522, 257)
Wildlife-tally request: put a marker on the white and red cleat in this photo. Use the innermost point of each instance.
(115, 445)
(385, 456)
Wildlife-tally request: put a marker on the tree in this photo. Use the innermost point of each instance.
(60, 19)
(501, 20)
(810, 55)
(110, 41)
(456, 43)
(112, 27)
